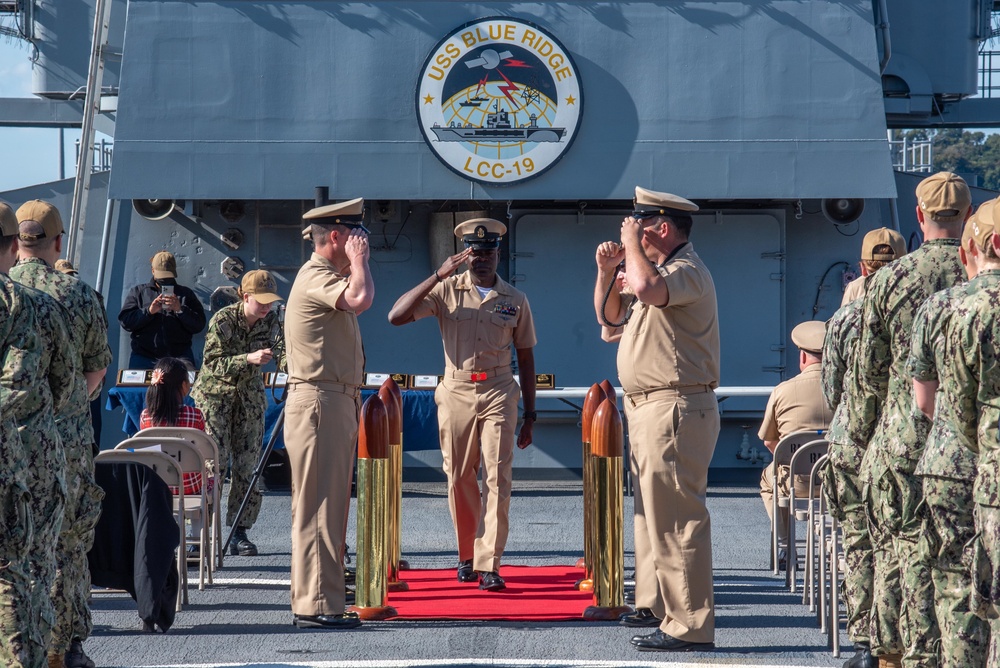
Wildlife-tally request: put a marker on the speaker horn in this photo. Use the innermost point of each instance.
(842, 210)
(154, 209)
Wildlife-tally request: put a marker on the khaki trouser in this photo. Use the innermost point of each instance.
(476, 425)
(672, 438)
(767, 494)
(321, 436)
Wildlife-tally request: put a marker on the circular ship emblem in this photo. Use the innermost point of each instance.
(499, 100)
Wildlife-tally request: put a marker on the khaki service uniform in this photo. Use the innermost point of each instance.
(795, 405)
(325, 371)
(855, 290)
(668, 365)
(477, 407)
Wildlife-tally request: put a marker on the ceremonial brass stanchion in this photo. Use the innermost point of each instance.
(595, 396)
(392, 399)
(609, 552)
(609, 391)
(373, 512)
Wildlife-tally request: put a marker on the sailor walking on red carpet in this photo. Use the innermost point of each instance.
(480, 315)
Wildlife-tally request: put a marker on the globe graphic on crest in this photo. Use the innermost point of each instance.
(523, 122)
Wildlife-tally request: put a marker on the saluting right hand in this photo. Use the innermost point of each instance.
(609, 255)
(356, 245)
(453, 263)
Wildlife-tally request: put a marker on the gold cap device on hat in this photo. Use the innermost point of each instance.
(944, 197)
(809, 335)
(164, 265)
(39, 220)
(883, 236)
(649, 203)
(260, 284)
(481, 233)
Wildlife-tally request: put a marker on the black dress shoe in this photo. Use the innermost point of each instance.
(658, 641)
(348, 620)
(491, 581)
(641, 617)
(465, 571)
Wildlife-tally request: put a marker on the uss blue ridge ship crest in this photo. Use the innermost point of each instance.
(499, 100)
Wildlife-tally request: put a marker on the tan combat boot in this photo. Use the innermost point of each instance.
(890, 661)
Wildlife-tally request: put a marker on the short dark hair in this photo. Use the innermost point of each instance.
(7, 242)
(681, 223)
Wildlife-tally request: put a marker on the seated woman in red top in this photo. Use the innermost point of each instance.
(165, 407)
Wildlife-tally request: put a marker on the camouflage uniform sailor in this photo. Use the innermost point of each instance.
(947, 466)
(41, 232)
(971, 334)
(844, 489)
(229, 390)
(21, 643)
(895, 430)
(44, 450)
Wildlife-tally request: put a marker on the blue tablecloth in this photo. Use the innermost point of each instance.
(419, 415)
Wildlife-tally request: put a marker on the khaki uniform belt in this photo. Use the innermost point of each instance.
(642, 396)
(350, 390)
(475, 376)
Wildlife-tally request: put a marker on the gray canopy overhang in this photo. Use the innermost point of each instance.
(242, 99)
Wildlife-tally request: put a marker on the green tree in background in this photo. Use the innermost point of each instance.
(963, 152)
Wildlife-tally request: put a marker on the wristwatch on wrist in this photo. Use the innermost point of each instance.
(530, 415)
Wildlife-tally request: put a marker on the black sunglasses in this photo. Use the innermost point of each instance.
(643, 215)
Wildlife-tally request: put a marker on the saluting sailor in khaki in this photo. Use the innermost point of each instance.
(480, 316)
(325, 369)
(668, 365)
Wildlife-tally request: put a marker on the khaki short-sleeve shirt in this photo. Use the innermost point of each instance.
(676, 345)
(796, 405)
(477, 332)
(322, 343)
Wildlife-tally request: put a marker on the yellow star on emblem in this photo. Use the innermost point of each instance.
(428, 99)
(570, 100)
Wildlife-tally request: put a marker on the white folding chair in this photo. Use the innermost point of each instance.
(816, 519)
(801, 464)
(193, 507)
(170, 472)
(210, 452)
(783, 452)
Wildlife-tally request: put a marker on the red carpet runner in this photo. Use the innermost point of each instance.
(534, 594)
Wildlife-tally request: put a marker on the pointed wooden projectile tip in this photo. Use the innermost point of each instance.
(609, 390)
(595, 396)
(606, 432)
(393, 410)
(373, 433)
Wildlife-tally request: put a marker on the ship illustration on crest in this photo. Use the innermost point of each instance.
(499, 127)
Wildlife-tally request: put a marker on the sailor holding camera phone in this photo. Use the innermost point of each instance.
(161, 316)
